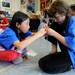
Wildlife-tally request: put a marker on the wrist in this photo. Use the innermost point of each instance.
(37, 35)
(52, 32)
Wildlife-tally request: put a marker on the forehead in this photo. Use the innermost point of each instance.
(26, 21)
(59, 15)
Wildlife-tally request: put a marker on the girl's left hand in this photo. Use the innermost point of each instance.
(49, 31)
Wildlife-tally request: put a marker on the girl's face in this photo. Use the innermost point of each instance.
(59, 18)
(24, 26)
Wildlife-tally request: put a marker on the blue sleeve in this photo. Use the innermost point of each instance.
(25, 35)
(71, 26)
(7, 39)
(71, 42)
(70, 39)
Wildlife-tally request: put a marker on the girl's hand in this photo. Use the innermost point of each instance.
(49, 31)
(41, 32)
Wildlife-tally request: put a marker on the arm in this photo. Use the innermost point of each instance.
(57, 36)
(23, 44)
(68, 41)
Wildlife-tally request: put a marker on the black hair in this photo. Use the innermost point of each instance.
(61, 10)
(18, 17)
(58, 6)
(72, 7)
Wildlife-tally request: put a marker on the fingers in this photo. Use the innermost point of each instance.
(45, 26)
(44, 29)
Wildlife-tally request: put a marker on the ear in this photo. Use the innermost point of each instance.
(17, 25)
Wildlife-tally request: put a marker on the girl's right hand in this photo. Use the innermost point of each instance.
(41, 32)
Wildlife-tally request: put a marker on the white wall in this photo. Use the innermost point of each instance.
(15, 5)
(4, 8)
(70, 1)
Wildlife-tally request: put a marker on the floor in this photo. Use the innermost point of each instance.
(30, 67)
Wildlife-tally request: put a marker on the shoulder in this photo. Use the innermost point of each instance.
(71, 21)
(9, 31)
(72, 18)
(8, 34)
